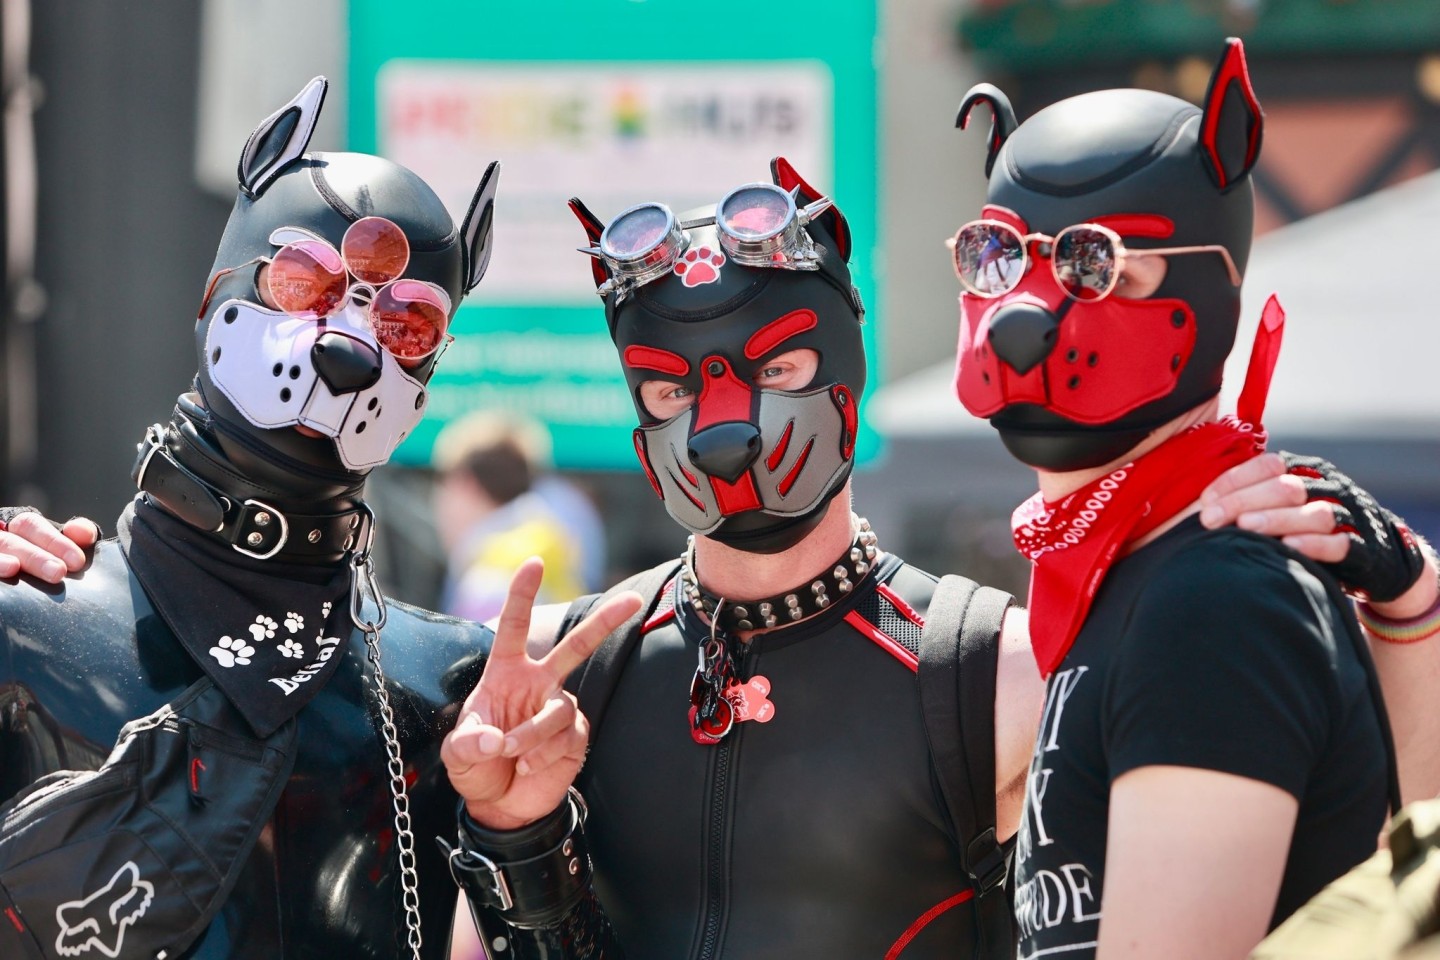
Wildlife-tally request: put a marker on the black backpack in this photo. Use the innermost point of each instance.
(135, 859)
(959, 650)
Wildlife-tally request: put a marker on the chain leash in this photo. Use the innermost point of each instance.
(363, 584)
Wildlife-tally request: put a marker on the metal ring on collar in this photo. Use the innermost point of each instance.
(261, 509)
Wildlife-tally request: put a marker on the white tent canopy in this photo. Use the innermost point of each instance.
(1361, 354)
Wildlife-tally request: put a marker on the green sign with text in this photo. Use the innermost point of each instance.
(616, 102)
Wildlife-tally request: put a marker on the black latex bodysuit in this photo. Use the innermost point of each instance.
(80, 659)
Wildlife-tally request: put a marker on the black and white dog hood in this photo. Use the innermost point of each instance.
(1075, 383)
(750, 467)
(264, 373)
(290, 411)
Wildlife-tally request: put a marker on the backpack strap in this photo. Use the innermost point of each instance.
(595, 680)
(959, 652)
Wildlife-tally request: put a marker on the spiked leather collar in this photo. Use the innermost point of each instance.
(787, 607)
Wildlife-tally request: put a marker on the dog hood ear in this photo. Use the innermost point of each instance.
(832, 221)
(1232, 124)
(1002, 117)
(593, 229)
(280, 138)
(477, 229)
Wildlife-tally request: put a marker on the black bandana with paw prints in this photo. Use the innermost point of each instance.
(269, 634)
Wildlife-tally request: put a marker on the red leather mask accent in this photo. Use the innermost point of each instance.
(653, 358)
(724, 397)
(639, 439)
(845, 403)
(1109, 358)
(737, 497)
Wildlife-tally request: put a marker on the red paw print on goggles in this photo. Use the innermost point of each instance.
(310, 280)
(757, 225)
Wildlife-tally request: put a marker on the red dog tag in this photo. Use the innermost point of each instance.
(751, 700)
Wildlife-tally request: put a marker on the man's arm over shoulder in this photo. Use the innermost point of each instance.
(1019, 699)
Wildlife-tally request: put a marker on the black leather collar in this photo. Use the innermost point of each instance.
(791, 605)
(251, 526)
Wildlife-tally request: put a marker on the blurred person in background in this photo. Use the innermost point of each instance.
(496, 503)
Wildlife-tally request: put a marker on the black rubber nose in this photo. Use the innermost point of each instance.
(345, 364)
(725, 450)
(1023, 334)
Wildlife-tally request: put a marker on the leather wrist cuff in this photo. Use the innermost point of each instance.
(533, 875)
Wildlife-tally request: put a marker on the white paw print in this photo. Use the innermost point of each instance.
(262, 629)
(231, 651)
(294, 622)
(291, 649)
(325, 609)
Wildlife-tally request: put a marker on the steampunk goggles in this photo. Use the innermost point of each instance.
(757, 225)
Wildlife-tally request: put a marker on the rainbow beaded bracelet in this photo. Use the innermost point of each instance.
(1411, 630)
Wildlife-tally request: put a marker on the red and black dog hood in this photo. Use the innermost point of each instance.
(752, 468)
(1072, 384)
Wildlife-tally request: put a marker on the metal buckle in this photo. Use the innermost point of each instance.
(148, 446)
(499, 888)
(284, 531)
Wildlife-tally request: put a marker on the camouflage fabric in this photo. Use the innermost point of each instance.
(1387, 907)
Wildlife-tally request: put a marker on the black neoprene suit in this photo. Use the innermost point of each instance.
(817, 834)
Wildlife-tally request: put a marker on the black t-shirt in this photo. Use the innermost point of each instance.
(1209, 649)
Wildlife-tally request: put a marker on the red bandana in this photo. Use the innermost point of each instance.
(1073, 543)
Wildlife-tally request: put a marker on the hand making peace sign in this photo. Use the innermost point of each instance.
(520, 739)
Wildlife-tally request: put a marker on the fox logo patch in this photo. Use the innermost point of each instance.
(100, 919)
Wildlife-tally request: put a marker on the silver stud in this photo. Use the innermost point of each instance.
(349, 542)
(817, 588)
(262, 519)
(254, 539)
(839, 572)
(567, 848)
(870, 551)
(861, 569)
(500, 944)
(822, 601)
(313, 536)
(845, 586)
(573, 866)
(741, 612)
(766, 609)
(792, 601)
(744, 625)
(854, 554)
(795, 613)
(354, 521)
(770, 621)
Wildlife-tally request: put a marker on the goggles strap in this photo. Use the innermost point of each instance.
(250, 526)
